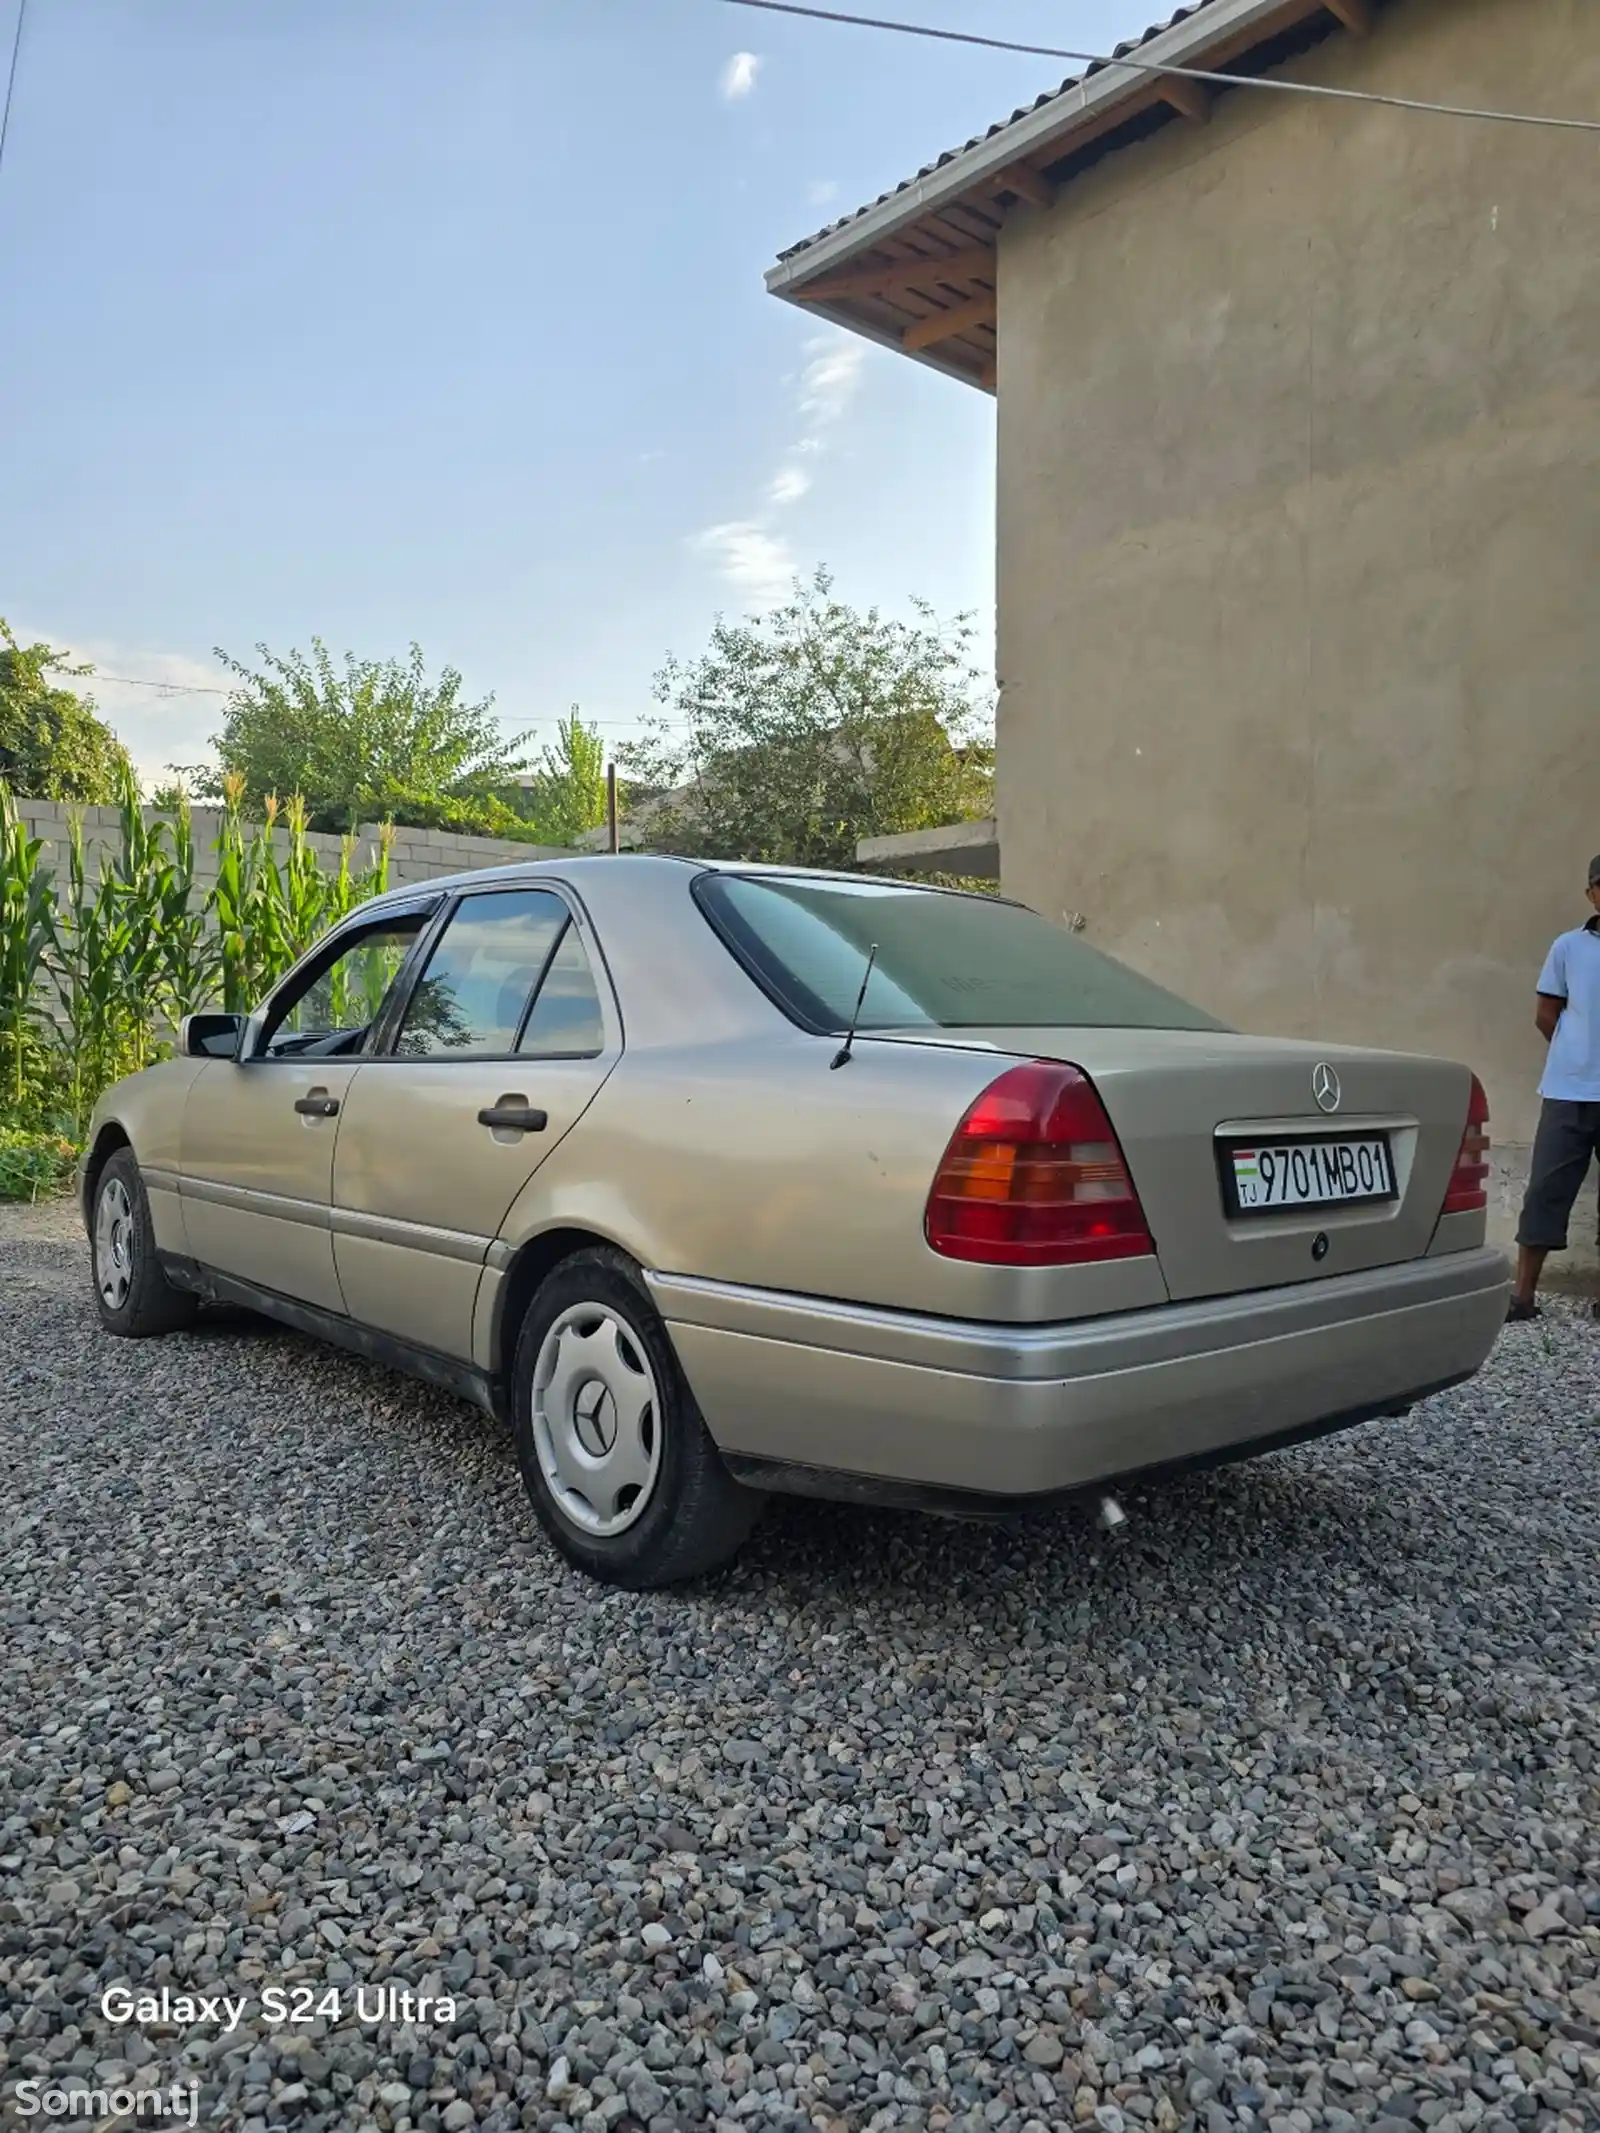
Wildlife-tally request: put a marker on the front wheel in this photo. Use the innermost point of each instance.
(133, 1296)
(614, 1453)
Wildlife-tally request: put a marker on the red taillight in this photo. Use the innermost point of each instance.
(1034, 1176)
(1469, 1181)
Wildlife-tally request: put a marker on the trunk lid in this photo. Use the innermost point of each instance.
(1178, 1098)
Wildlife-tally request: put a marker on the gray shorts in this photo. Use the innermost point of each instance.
(1567, 1142)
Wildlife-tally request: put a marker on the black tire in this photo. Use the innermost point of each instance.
(694, 1515)
(133, 1296)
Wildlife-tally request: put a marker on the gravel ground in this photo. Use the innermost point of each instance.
(1278, 1811)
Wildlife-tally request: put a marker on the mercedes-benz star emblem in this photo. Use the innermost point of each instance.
(1325, 1086)
(595, 1414)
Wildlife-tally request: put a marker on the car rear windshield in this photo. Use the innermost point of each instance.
(944, 960)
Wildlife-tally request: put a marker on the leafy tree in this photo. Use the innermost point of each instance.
(566, 794)
(52, 744)
(373, 741)
(799, 732)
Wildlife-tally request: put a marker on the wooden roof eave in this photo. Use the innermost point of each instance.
(956, 210)
(951, 357)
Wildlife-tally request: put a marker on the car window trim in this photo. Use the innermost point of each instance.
(537, 986)
(264, 1023)
(393, 1019)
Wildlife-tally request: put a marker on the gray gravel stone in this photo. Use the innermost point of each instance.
(1276, 1815)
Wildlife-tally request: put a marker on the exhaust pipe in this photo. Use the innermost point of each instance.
(1110, 1516)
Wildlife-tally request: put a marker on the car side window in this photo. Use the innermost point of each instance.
(470, 1000)
(566, 1017)
(332, 1011)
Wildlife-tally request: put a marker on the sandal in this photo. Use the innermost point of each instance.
(1518, 1313)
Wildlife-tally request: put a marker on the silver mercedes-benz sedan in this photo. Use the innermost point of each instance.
(715, 1180)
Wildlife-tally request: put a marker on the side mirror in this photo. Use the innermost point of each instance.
(210, 1036)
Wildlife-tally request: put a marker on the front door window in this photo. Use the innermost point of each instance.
(330, 1011)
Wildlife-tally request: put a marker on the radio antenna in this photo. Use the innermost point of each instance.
(844, 1054)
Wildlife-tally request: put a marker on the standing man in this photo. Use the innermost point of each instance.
(1568, 1139)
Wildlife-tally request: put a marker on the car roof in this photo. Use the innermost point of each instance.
(588, 864)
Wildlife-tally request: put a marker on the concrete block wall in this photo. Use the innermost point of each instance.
(415, 854)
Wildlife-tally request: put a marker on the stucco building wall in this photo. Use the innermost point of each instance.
(1299, 547)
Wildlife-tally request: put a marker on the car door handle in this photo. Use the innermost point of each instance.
(317, 1105)
(512, 1115)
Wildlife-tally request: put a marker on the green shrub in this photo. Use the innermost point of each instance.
(34, 1164)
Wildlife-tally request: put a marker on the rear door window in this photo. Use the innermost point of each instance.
(565, 1021)
(473, 996)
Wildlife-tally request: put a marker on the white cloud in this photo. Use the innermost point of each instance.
(750, 558)
(739, 76)
(789, 484)
(820, 191)
(829, 381)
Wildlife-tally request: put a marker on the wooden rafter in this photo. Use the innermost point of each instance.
(1192, 98)
(898, 274)
(961, 232)
(1023, 180)
(946, 325)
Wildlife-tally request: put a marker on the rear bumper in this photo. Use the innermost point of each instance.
(851, 1397)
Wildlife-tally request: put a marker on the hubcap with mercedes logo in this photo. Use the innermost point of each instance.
(596, 1419)
(1325, 1086)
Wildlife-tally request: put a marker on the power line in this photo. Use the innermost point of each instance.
(11, 79)
(1148, 66)
(183, 688)
(167, 688)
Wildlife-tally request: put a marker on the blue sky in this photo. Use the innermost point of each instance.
(444, 319)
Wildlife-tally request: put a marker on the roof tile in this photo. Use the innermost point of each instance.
(1130, 44)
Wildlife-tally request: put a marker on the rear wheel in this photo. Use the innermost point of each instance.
(614, 1454)
(133, 1296)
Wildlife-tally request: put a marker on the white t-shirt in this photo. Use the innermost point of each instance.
(1572, 973)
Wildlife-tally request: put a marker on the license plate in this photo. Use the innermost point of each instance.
(1319, 1173)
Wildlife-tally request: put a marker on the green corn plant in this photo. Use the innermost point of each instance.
(141, 885)
(228, 905)
(267, 919)
(247, 904)
(375, 879)
(378, 968)
(93, 952)
(26, 931)
(187, 975)
(306, 889)
(264, 911)
(342, 898)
